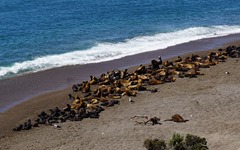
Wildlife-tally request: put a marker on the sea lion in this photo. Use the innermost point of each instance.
(155, 64)
(179, 59)
(155, 82)
(154, 120)
(93, 80)
(177, 118)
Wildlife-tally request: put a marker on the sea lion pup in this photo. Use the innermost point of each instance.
(116, 75)
(18, 128)
(35, 124)
(154, 120)
(153, 90)
(75, 88)
(110, 103)
(27, 125)
(55, 112)
(177, 118)
(67, 108)
(70, 97)
(43, 115)
(234, 53)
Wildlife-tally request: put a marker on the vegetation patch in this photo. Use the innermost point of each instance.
(177, 142)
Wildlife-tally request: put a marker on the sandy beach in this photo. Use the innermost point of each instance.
(210, 103)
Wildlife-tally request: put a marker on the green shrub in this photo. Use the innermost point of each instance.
(177, 142)
(193, 142)
(155, 144)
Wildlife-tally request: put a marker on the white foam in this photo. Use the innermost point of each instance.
(109, 51)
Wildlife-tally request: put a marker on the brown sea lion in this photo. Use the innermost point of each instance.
(195, 57)
(86, 87)
(129, 92)
(155, 82)
(177, 118)
(179, 59)
(78, 103)
(141, 69)
(125, 82)
(138, 87)
(93, 80)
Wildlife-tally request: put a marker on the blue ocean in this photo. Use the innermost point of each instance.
(39, 35)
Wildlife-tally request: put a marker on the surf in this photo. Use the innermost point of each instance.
(109, 51)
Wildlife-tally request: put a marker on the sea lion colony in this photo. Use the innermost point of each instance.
(110, 87)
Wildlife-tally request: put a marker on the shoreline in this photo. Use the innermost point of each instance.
(22, 88)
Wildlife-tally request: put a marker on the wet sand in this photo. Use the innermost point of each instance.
(210, 102)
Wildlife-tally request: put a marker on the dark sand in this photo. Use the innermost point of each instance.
(210, 102)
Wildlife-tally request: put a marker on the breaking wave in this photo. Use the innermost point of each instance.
(109, 51)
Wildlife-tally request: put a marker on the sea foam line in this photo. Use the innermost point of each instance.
(109, 51)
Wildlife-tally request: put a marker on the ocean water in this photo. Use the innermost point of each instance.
(39, 35)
